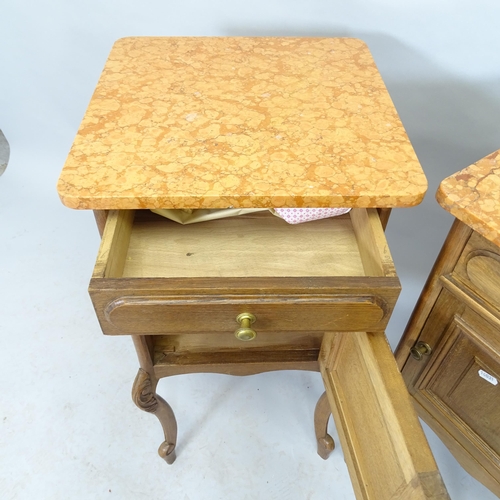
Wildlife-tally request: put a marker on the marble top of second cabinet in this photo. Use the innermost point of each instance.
(240, 122)
(473, 196)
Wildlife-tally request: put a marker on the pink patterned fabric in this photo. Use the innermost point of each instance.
(298, 215)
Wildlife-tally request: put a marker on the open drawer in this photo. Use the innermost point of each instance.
(156, 277)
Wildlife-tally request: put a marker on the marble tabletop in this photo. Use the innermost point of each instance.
(473, 196)
(240, 122)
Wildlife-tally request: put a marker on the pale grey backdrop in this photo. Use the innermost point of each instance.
(67, 427)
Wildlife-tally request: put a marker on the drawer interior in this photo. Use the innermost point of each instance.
(156, 277)
(141, 244)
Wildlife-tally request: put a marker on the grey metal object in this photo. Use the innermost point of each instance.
(4, 153)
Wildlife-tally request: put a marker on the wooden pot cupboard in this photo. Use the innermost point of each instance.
(213, 123)
(450, 351)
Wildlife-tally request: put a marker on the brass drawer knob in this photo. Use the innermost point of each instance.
(420, 349)
(245, 333)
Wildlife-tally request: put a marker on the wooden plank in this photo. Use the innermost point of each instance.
(197, 313)
(100, 219)
(432, 334)
(264, 246)
(448, 257)
(114, 244)
(372, 244)
(236, 368)
(470, 460)
(386, 288)
(301, 297)
(471, 300)
(227, 341)
(384, 214)
(144, 348)
(384, 445)
(479, 268)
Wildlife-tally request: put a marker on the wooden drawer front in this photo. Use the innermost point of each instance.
(161, 315)
(479, 268)
(154, 277)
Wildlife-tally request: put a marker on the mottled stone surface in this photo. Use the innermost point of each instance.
(473, 196)
(4, 153)
(241, 122)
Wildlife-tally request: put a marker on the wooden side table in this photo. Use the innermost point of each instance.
(450, 352)
(204, 123)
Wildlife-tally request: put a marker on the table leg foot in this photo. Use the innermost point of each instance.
(167, 452)
(322, 413)
(145, 398)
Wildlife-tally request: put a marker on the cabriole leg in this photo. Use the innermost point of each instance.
(322, 413)
(145, 397)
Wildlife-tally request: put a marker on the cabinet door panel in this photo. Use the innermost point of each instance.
(433, 334)
(384, 446)
(462, 383)
(456, 387)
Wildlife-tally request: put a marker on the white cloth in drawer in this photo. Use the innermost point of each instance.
(299, 215)
(290, 215)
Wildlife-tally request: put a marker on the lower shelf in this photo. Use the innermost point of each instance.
(235, 362)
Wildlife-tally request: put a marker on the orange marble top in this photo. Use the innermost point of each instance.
(240, 122)
(473, 196)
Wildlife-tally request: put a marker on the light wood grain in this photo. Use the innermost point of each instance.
(461, 404)
(182, 304)
(475, 466)
(197, 313)
(244, 246)
(145, 398)
(175, 305)
(100, 219)
(384, 214)
(458, 317)
(238, 365)
(322, 413)
(114, 244)
(468, 298)
(484, 272)
(191, 314)
(453, 383)
(205, 342)
(447, 259)
(479, 268)
(384, 446)
(432, 333)
(373, 248)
